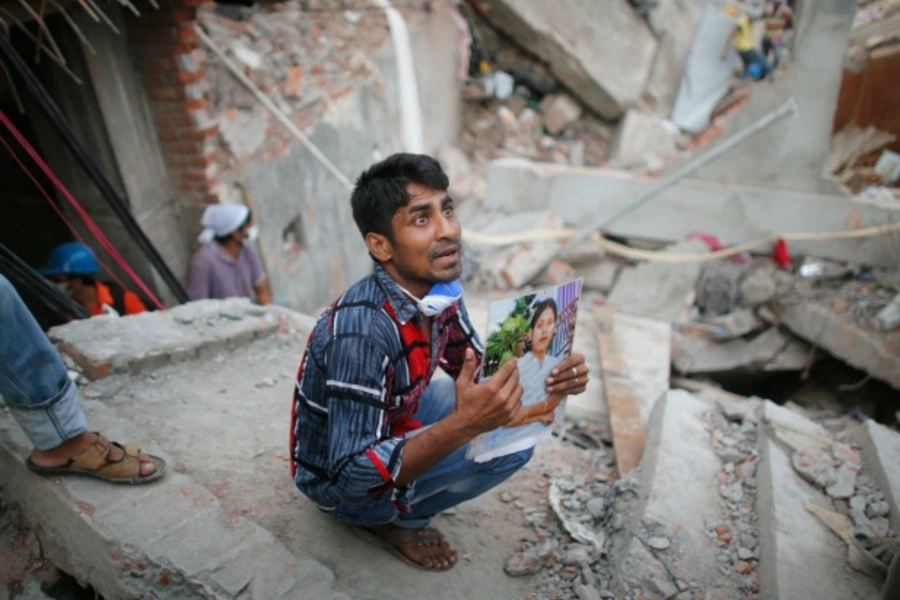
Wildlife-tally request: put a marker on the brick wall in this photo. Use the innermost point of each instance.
(170, 61)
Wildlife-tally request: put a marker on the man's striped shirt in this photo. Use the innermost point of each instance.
(366, 365)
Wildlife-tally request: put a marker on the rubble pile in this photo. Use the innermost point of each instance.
(733, 429)
(575, 534)
(303, 55)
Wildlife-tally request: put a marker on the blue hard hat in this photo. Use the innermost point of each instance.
(72, 258)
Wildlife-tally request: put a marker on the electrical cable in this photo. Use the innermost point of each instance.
(118, 204)
(90, 224)
(92, 227)
(25, 277)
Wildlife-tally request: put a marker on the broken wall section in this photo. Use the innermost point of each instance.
(332, 73)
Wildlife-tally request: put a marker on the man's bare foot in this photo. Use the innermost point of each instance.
(425, 547)
(62, 454)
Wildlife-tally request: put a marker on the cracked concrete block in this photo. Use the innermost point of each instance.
(881, 448)
(106, 345)
(799, 556)
(679, 469)
(837, 332)
(601, 51)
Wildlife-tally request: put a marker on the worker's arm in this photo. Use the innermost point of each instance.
(262, 292)
(480, 407)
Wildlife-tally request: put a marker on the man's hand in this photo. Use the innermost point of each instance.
(486, 406)
(542, 412)
(569, 377)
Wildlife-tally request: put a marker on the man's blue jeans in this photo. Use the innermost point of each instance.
(33, 380)
(450, 482)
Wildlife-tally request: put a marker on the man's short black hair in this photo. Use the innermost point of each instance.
(381, 190)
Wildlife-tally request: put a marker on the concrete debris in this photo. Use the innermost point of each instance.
(514, 266)
(736, 324)
(302, 63)
(770, 351)
(560, 111)
(634, 359)
(718, 288)
(600, 276)
(644, 142)
(577, 530)
(672, 285)
(845, 324)
(610, 73)
(790, 533)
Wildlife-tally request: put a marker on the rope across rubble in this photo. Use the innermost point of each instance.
(667, 257)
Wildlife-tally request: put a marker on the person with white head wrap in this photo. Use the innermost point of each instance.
(221, 220)
(226, 265)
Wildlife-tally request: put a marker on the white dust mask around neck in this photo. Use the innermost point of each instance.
(439, 298)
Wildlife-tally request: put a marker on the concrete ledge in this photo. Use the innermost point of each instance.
(876, 353)
(679, 496)
(881, 450)
(799, 557)
(106, 345)
(733, 212)
(167, 540)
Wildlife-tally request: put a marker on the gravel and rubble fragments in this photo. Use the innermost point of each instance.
(590, 507)
(733, 430)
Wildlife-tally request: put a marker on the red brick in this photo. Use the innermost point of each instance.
(166, 93)
(195, 104)
(157, 64)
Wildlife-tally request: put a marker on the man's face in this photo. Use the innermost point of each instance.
(426, 246)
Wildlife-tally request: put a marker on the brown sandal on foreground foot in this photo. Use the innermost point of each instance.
(96, 462)
(415, 539)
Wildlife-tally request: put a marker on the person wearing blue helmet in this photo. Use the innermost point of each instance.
(375, 441)
(74, 268)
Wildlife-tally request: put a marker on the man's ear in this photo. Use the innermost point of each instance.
(379, 247)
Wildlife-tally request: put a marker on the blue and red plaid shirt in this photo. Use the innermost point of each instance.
(366, 365)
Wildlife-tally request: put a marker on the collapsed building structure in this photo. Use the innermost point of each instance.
(660, 484)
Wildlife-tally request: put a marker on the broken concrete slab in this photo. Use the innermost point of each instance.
(661, 290)
(222, 419)
(600, 276)
(770, 351)
(678, 471)
(799, 556)
(602, 52)
(736, 324)
(172, 539)
(634, 363)
(642, 142)
(875, 352)
(106, 345)
(735, 214)
(513, 265)
(880, 448)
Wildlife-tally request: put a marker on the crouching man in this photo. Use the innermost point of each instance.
(374, 441)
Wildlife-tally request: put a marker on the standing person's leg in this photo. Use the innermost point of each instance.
(33, 380)
(46, 404)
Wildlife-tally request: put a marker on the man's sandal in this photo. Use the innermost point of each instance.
(96, 462)
(390, 540)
